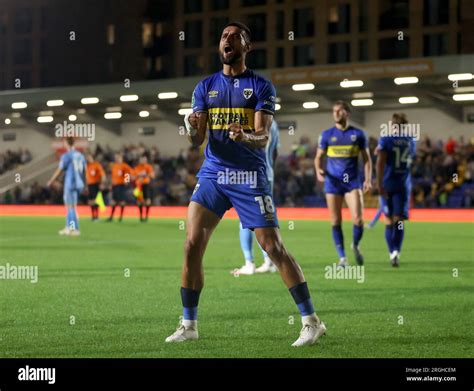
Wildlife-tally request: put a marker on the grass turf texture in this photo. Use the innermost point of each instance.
(248, 316)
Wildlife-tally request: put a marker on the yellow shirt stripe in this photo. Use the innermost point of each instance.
(343, 151)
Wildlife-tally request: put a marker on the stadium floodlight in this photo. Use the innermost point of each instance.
(310, 105)
(460, 76)
(404, 100)
(54, 103)
(72, 118)
(8, 121)
(277, 106)
(351, 83)
(19, 105)
(405, 80)
(463, 97)
(362, 95)
(115, 115)
(460, 90)
(185, 111)
(129, 98)
(45, 119)
(90, 101)
(144, 113)
(167, 95)
(303, 87)
(362, 102)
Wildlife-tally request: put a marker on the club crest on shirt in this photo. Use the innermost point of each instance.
(248, 92)
(333, 139)
(353, 137)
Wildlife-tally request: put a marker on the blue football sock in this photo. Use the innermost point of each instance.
(190, 300)
(74, 218)
(357, 232)
(398, 235)
(69, 219)
(302, 299)
(338, 240)
(388, 237)
(246, 239)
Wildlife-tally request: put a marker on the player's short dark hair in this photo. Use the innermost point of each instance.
(70, 141)
(399, 118)
(245, 30)
(344, 104)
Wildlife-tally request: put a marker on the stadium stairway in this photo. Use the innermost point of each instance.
(39, 169)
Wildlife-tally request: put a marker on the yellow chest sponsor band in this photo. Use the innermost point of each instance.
(343, 151)
(221, 117)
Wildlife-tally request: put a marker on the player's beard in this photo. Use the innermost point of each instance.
(231, 60)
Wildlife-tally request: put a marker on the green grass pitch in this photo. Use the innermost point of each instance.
(248, 316)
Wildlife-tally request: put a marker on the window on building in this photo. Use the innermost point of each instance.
(193, 34)
(193, 65)
(339, 52)
(158, 64)
(159, 30)
(280, 25)
(363, 16)
(249, 3)
(23, 21)
(258, 26)
(390, 48)
(339, 19)
(280, 57)
(216, 27)
(111, 34)
(22, 52)
(303, 55)
(364, 50)
(435, 44)
(147, 34)
(257, 59)
(393, 14)
(191, 6)
(303, 22)
(435, 12)
(219, 4)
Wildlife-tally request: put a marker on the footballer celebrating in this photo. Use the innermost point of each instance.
(342, 145)
(237, 107)
(395, 154)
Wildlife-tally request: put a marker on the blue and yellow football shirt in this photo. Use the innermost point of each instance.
(229, 99)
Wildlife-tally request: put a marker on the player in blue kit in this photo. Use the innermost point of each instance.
(245, 234)
(342, 145)
(73, 163)
(236, 106)
(394, 159)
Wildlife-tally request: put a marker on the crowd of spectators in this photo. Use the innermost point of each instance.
(10, 160)
(441, 169)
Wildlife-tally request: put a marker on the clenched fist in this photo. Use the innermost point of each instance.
(236, 132)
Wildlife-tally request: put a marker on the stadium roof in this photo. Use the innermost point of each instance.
(432, 89)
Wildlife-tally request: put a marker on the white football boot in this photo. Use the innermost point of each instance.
(310, 332)
(64, 232)
(74, 232)
(395, 258)
(246, 270)
(343, 262)
(267, 267)
(183, 333)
